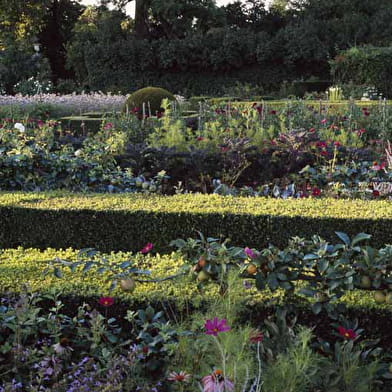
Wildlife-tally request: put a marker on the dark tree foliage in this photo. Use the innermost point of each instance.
(193, 45)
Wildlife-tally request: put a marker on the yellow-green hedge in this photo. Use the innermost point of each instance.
(127, 222)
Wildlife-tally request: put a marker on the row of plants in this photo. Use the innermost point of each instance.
(238, 147)
(47, 345)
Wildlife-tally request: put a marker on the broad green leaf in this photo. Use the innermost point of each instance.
(344, 237)
(360, 237)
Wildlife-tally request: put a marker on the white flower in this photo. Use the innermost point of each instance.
(20, 127)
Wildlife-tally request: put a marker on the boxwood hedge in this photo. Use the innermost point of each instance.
(127, 222)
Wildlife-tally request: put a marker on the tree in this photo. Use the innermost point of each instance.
(58, 22)
(172, 18)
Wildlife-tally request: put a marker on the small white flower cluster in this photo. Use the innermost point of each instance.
(180, 99)
(371, 94)
(20, 127)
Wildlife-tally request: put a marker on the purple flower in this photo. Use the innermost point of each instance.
(249, 252)
(215, 326)
(147, 248)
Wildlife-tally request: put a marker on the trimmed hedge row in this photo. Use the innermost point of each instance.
(127, 222)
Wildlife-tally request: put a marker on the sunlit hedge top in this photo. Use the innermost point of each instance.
(199, 204)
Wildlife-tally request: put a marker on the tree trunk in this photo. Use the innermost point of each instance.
(141, 18)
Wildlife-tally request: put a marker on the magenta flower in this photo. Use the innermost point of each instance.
(106, 301)
(147, 248)
(108, 126)
(215, 326)
(249, 252)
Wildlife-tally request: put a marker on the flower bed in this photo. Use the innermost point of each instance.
(51, 344)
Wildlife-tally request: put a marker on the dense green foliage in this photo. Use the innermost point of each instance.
(149, 98)
(191, 46)
(365, 66)
(119, 222)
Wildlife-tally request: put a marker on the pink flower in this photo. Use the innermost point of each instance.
(323, 121)
(179, 377)
(215, 326)
(312, 130)
(147, 248)
(378, 167)
(336, 144)
(108, 126)
(249, 252)
(215, 382)
(106, 301)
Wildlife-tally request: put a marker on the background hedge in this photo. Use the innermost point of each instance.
(127, 222)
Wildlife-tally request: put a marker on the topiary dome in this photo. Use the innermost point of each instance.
(152, 98)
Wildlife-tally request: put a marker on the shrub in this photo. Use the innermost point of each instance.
(151, 97)
(126, 222)
(366, 65)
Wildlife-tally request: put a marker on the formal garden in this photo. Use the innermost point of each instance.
(194, 200)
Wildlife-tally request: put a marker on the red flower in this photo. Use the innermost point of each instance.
(321, 144)
(200, 138)
(106, 301)
(316, 192)
(378, 167)
(323, 121)
(215, 326)
(147, 248)
(255, 336)
(336, 144)
(272, 112)
(323, 153)
(376, 193)
(312, 130)
(361, 131)
(348, 334)
(366, 113)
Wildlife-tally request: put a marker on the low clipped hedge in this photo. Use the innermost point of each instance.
(128, 221)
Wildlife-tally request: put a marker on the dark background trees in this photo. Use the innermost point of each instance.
(188, 46)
